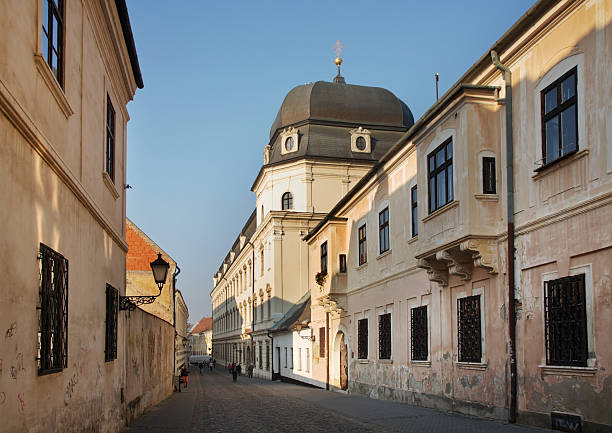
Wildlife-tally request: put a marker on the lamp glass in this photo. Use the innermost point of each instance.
(160, 270)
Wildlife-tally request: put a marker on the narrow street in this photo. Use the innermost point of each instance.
(213, 403)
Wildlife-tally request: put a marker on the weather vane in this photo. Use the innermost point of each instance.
(338, 61)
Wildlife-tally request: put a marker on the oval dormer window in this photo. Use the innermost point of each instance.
(289, 144)
(360, 143)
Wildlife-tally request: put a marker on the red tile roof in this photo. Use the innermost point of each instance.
(203, 325)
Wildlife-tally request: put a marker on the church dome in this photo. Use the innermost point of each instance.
(345, 103)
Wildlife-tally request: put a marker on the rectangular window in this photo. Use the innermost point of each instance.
(384, 336)
(383, 230)
(267, 356)
(362, 339)
(260, 356)
(488, 175)
(285, 357)
(322, 342)
(469, 335)
(324, 257)
(440, 175)
(415, 211)
(110, 140)
(112, 309)
(299, 359)
(291, 366)
(566, 325)
(261, 262)
(343, 263)
(418, 334)
(307, 360)
(53, 37)
(52, 311)
(559, 118)
(363, 245)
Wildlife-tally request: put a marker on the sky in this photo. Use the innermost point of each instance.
(215, 74)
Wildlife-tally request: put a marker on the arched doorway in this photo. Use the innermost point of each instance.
(339, 373)
(248, 354)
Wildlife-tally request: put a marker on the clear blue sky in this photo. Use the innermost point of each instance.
(216, 73)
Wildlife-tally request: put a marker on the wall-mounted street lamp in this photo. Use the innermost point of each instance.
(160, 271)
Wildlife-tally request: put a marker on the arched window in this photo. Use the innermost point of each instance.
(287, 201)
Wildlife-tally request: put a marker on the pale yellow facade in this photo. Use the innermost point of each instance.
(562, 225)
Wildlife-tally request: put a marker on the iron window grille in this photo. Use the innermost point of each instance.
(260, 357)
(287, 201)
(418, 334)
(53, 37)
(440, 175)
(52, 312)
(362, 339)
(565, 321)
(383, 230)
(489, 185)
(342, 259)
(112, 310)
(110, 139)
(363, 245)
(559, 118)
(414, 206)
(324, 257)
(322, 342)
(384, 336)
(267, 356)
(469, 333)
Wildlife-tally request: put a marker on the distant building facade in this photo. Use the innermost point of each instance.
(181, 337)
(63, 120)
(413, 292)
(200, 338)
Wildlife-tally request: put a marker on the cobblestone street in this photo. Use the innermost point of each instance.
(213, 403)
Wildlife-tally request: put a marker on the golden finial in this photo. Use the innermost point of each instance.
(338, 61)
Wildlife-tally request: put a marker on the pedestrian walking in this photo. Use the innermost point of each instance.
(214, 363)
(234, 372)
(229, 368)
(239, 369)
(185, 375)
(201, 366)
(250, 370)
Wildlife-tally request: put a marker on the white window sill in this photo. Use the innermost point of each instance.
(385, 254)
(480, 366)
(413, 239)
(558, 370)
(385, 361)
(446, 207)
(58, 93)
(486, 197)
(360, 267)
(110, 185)
(420, 363)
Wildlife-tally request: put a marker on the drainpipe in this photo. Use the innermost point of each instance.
(327, 349)
(176, 272)
(510, 216)
(272, 354)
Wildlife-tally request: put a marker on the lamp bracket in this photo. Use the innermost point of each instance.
(130, 303)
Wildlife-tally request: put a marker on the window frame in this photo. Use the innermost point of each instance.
(432, 175)
(489, 175)
(111, 323)
(414, 313)
(414, 209)
(342, 263)
(384, 243)
(322, 345)
(362, 245)
(462, 356)
(55, 266)
(365, 338)
(556, 112)
(387, 345)
(324, 257)
(287, 201)
(55, 9)
(109, 142)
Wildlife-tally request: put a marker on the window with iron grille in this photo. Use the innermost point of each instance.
(469, 335)
(287, 201)
(52, 312)
(414, 205)
(324, 257)
(559, 118)
(488, 175)
(322, 342)
(384, 336)
(418, 334)
(362, 339)
(363, 245)
(440, 174)
(112, 309)
(260, 356)
(342, 259)
(565, 321)
(383, 230)
(53, 37)
(267, 356)
(110, 139)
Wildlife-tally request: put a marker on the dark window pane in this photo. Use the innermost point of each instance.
(431, 164)
(469, 332)
(419, 334)
(45, 46)
(450, 183)
(550, 100)
(440, 157)
(552, 139)
(568, 129)
(449, 150)
(432, 194)
(45, 17)
(55, 32)
(362, 339)
(441, 188)
(384, 336)
(568, 88)
(488, 175)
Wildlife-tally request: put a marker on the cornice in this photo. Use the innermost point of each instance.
(22, 121)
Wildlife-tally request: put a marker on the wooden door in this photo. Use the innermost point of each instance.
(343, 364)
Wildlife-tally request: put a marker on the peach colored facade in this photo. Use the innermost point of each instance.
(562, 226)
